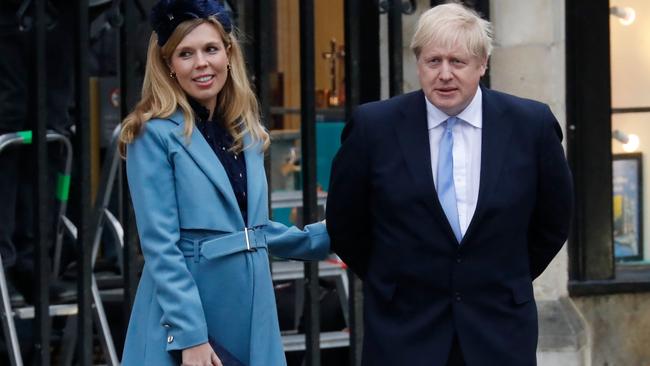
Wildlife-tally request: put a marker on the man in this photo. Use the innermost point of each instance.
(448, 202)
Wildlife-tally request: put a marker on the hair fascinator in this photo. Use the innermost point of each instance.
(166, 15)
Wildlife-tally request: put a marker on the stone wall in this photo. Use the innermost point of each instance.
(528, 61)
(620, 328)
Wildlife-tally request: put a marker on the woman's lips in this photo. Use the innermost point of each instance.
(204, 81)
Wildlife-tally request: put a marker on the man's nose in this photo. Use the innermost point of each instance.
(445, 71)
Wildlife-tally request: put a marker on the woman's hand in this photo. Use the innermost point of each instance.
(201, 355)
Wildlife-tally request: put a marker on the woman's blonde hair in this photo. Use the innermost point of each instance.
(453, 24)
(162, 95)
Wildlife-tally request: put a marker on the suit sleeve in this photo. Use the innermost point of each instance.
(311, 243)
(151, 182)
(549, 227)
(348, 200)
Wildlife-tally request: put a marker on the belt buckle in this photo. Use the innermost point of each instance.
(248, 243)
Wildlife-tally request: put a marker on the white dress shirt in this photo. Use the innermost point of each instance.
(466, 154)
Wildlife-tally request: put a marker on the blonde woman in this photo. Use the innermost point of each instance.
(194, 147)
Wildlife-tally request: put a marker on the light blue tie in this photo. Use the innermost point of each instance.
(446, 189)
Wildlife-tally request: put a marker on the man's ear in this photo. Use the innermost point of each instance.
(484, 66)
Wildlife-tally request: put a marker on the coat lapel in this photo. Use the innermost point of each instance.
(413, 136)
(256, 183)
(199, 150)
(497, 130)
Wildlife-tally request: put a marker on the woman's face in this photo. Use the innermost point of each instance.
(200, 62)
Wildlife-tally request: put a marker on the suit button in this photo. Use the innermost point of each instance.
(458, 260)
(457, 295)
(170, 339)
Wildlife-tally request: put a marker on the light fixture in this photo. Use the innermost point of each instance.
(630, 141)
(625, 15)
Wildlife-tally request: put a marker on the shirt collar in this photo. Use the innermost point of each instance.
(472, 114)
(200, 111)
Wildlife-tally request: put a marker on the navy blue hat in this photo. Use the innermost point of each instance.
(166, 15)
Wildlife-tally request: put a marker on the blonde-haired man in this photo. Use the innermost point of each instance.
(448, 202)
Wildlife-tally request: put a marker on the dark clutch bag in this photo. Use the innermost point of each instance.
(227, 358)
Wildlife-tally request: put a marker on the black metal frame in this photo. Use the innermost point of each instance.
(589, 139)
(395, 51)
(36, 114)
(82, 186)
(368, 82)
(261, 56)
(129, 93)
(631, 110)
(308, 152)
(360, 31)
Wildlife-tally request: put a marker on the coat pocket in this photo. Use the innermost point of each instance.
(522, 292)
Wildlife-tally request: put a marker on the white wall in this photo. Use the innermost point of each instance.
(630, 56)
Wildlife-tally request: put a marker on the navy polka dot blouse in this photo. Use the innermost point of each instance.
(220, 140)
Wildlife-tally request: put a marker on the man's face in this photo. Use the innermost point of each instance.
(449, 77)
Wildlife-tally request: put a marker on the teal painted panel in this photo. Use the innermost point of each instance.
(328, 142)
(282, 215)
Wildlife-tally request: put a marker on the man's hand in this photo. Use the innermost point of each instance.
(201, 355)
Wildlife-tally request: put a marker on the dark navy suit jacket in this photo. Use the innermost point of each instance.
(420, 285)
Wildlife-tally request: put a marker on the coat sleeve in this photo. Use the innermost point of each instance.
(311, 243)
(150, 175)
(348, 202)
(549, 226)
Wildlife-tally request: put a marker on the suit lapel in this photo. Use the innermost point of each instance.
(497, 130)
(413, 136)
(202, 154)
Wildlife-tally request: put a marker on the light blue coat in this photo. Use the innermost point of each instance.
(198, 278)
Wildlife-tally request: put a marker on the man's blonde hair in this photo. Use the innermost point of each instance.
(453, 24)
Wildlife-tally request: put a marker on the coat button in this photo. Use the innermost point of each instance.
(170, 339)
(458, 260)
(458, 298)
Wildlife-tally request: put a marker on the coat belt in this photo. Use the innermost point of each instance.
(210, 247)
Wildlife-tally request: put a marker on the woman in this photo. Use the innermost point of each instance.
(194, 148)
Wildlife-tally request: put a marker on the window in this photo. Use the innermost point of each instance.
(606, 107)
(630, 76)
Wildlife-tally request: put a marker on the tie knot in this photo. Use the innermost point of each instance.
(451, 121)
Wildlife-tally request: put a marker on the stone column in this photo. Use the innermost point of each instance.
(529, 61)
